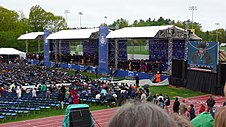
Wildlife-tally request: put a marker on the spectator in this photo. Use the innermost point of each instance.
(192, 112)
(70, 99)
(19, 92)
(97, 96)
(204, 119)
(181, 120)
(183, 108)
(202, 108)
(48, 92)
(224, 104)
(210, 103)
(150, 97)
(220, 118)
(60, 98)
(167, 103)
(34, 93)
(129, 115)
(75, 96)
(143, 97)
(161, 103)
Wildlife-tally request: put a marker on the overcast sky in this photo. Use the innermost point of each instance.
(208, 13)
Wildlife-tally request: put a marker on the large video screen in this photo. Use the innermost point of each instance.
(203, 56)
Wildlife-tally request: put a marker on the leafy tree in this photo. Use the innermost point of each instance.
(8, 19)
(41, 20)
(120, 23)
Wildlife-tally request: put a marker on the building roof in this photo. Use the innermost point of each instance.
(30, 36)
(73, 34)
(137, 32)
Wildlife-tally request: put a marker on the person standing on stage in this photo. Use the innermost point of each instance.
(158, 77)
(137, 80)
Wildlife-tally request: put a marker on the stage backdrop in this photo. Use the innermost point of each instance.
(203, 56)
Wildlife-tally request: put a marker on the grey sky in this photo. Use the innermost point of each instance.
(208, 13)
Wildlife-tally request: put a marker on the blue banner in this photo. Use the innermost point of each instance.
(103, 48)
(46, 47)
(203, 56)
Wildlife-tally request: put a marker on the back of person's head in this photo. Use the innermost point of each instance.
(225, 90)
(220, 118)
(181, 120)
(141, 115)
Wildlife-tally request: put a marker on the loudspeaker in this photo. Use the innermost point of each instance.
(179, 68)
(222, 74)
(80, 117)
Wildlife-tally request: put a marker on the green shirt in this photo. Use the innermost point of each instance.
(204, 119)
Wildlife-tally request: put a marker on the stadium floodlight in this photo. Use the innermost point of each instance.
(105, 19)
(66, 12)
(217, 24)
(192, 9)
(80, 16)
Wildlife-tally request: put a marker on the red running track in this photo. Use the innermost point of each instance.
(103, 116)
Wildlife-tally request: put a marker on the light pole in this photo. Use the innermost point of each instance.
(105, 19)
(80, 16)
(217, 24)
(192, 9)
(66, 12)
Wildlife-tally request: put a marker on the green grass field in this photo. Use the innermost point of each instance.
(223, 48)
(173, 91)
(137, 50)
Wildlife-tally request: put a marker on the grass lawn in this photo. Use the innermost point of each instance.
(52, 112)
(173, 91)
(92, 76)
(137, 50)
(223, 48)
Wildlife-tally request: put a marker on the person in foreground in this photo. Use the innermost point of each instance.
(141, 115)
(220, 118)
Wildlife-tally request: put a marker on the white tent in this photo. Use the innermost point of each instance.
(73, 34)
(138, 32)
(12, 51)
(144, 32)
(30, 36)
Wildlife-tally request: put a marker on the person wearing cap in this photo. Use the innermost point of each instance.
(201, 56)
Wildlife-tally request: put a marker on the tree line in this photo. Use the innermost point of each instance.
(13, 24)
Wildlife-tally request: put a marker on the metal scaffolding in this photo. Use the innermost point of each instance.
(170, 34)
(116, 54)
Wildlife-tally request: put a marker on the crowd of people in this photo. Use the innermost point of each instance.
(152, 114)
(148, 66)
(14, 78)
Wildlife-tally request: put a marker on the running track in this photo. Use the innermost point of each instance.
(103, 116)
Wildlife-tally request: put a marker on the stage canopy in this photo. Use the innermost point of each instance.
(144, 32)
(31, 36)
(12, 51)
(73, 34)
